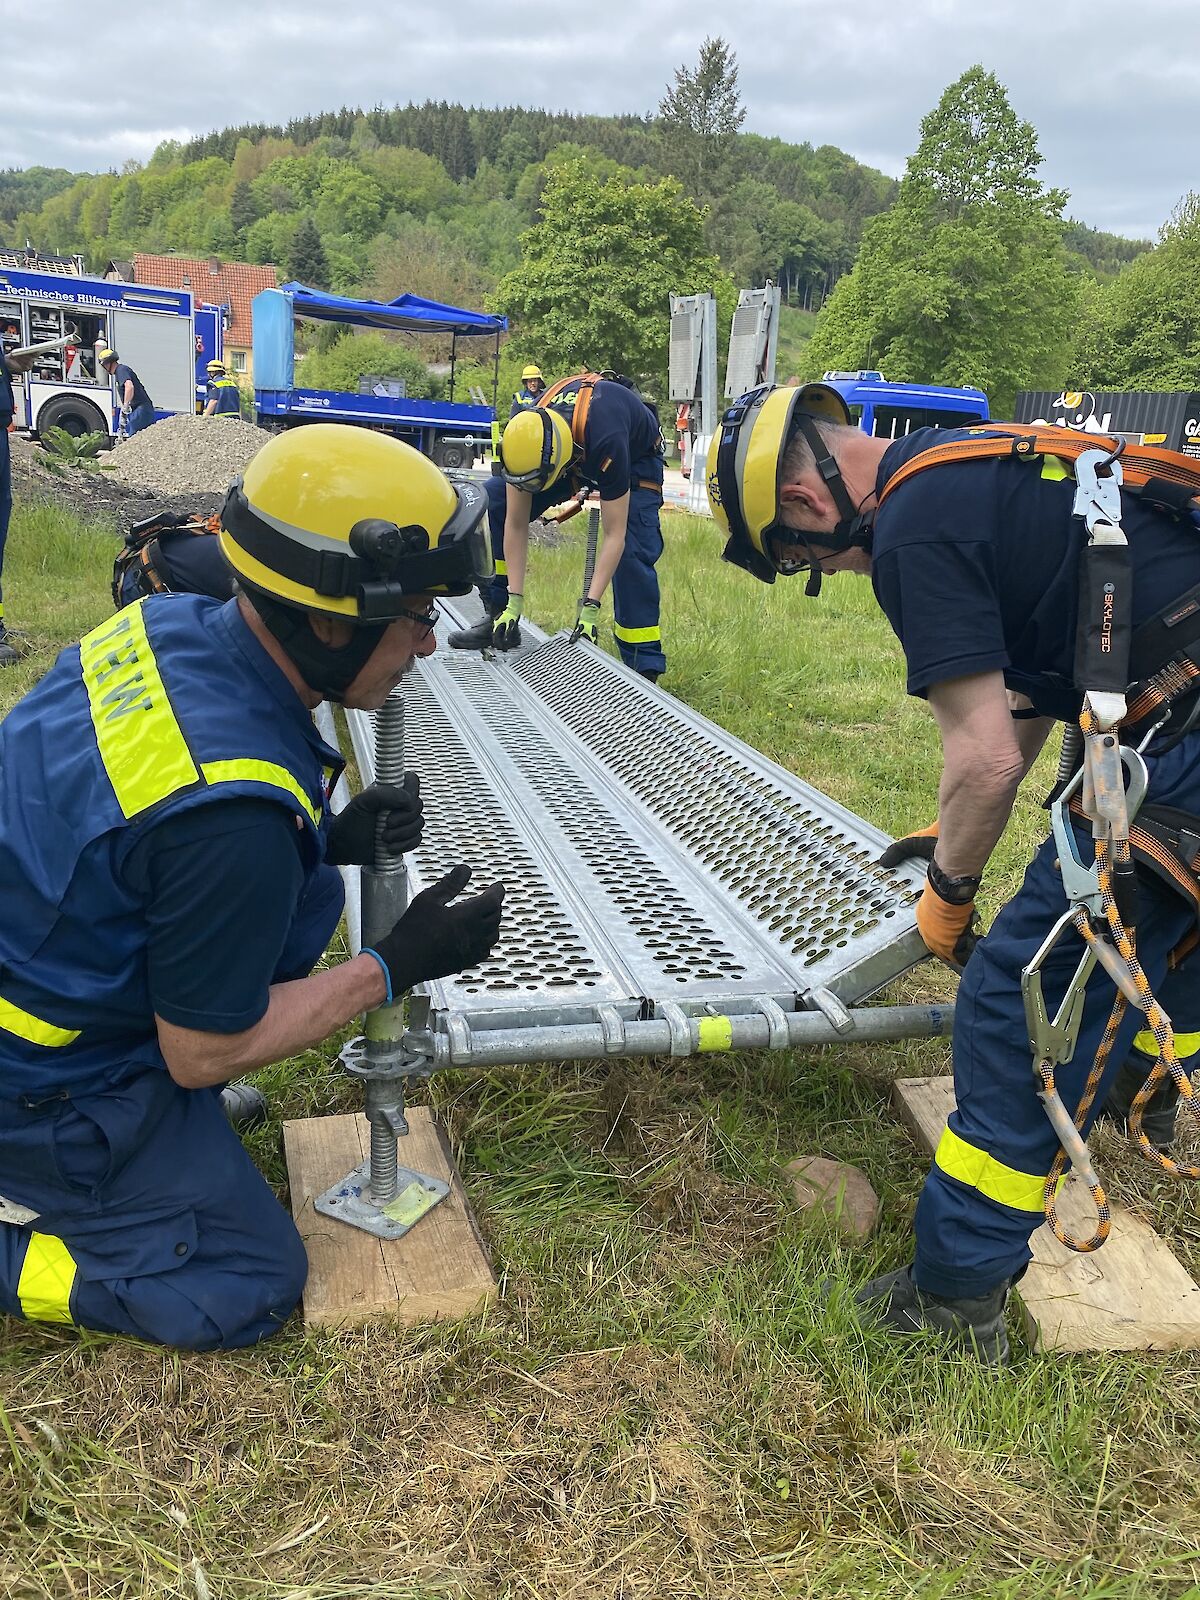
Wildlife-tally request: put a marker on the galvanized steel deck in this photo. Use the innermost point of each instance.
(654, 864)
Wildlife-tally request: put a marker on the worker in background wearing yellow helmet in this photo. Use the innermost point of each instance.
(168, 876)
(588, 432)
(532, 385)
(223, 398)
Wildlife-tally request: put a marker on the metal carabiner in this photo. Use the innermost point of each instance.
(1053, 1040)
(1081, 882)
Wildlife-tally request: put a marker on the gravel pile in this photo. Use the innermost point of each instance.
(186, 455)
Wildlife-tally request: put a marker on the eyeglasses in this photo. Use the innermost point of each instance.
(427, 620)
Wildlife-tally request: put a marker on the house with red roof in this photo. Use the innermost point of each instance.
(214, 283)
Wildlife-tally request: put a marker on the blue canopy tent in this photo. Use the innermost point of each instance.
(275, 311)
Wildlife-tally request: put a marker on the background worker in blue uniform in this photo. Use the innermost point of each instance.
(976, 565)
(594, 434)
(136, 406)
(168, 877)
(532, 385)
(223, 398)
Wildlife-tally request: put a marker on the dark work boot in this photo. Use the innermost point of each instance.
(1158, 1118)
(244, 1106)
(480, 636)
(977, 1323)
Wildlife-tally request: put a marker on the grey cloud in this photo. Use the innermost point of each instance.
(1114, 109)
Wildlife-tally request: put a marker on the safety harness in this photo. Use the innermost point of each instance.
(1131, 683)
(142, 553)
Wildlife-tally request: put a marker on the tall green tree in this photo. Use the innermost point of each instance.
(307, 262)
(596, 274)
(700, 115)
(243, 213)
(1142, 330)
(965, 280)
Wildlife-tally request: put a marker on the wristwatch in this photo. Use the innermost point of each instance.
(954, 891)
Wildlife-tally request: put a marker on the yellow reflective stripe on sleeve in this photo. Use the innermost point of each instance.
(1054, 468)
(146, 759)
(1186, 1044)
(1023, 1191)
(47, 1277)
(26, 1026)
(638, 635)
(261, 772)
(501, 569)
(715, 1033)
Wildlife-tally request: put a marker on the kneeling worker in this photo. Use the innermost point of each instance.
(975, 560)
(168, 876)
(586, 433)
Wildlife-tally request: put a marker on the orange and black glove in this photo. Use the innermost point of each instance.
(917, 846)
(946, 918)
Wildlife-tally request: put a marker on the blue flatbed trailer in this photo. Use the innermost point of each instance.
(452, 433)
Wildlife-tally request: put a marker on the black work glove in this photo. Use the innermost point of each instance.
(351, 841)
(506, 633)
(433, 938)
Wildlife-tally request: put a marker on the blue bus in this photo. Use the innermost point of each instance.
(890, 410)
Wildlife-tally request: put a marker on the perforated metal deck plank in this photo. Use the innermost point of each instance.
(649, 857)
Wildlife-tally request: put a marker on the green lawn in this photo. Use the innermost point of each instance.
(663, 1403)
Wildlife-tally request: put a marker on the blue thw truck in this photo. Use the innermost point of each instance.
(450, 432)
(152, 329)
(891, 410)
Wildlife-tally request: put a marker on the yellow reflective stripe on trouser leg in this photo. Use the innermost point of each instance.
(1186, 1044)
(47, 1277)
(141, 744)
(638, 635)
(261, 772)
(32, 1029)
(1023, 1191)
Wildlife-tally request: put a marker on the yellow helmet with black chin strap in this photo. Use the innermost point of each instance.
(536, 448)
(744, 476)
(348, 523)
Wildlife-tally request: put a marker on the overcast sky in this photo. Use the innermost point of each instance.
(1113, 90)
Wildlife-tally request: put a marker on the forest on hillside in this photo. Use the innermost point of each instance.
(579, 226)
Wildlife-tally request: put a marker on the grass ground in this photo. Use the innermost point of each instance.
(661, 1404)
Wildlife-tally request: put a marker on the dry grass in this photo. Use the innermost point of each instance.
(665, 1402)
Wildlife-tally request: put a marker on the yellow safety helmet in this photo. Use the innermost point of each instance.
(106, 355)
(347, 521)
(215, 366)
(530, 372)
(536, 448)
(744, 473)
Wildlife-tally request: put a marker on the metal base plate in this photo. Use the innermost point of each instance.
(350, 1201)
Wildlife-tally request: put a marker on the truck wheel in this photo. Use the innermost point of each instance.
(73, 416)
(452, 453)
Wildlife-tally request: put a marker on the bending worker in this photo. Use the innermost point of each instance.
(532, 385)
(223, 398)
(586, 433)
(168, 873)
(976, 564)
(136, 406)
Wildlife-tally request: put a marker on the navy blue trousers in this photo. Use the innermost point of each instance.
(982, 1199)
(635, 582)
(153, 1220)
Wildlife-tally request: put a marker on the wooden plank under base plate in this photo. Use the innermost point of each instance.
(1131, 1294)
(439, 1269)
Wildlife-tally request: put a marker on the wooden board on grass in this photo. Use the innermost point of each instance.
(439, 1269)
(1131, 1294)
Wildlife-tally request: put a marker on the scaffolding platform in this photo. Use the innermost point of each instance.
(668, 889)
